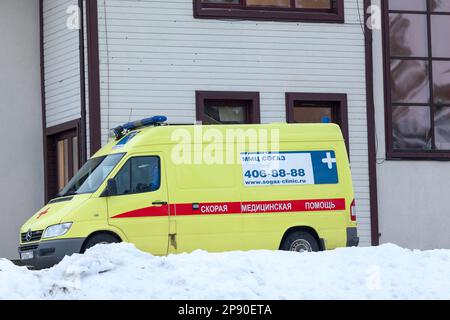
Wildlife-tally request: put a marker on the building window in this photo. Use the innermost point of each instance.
(287, 10)
(417, 81)
(318, 108)
(227, 107)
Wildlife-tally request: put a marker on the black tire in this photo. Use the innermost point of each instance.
(104, 238)
(300, 241)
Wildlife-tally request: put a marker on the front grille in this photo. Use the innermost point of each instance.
(28, 248)
(35, 236)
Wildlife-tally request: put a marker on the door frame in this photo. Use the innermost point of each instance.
(50, 164)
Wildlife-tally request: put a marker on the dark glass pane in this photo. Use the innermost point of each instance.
(408, 35)
(442, 128)
(411, 128)
(233, 113)
(92, 174)
(416, 5)
(410, 81)
(145, 174)
(123, 179)
(139, 175)
(441, 81)
(312, 114)
(440, 31)
(313, 4)
(269, 3)
(440, 5)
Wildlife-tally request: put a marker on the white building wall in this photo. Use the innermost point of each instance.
(21, 143)
(62, 64)
(413, 196)
(154, 55)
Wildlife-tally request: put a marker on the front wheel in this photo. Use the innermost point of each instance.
(102, 238)
(300, 241)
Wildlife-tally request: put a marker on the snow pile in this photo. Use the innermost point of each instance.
(120, 271)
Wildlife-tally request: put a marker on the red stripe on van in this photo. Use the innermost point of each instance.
(188, 209)
(145, 212)
(293, 206)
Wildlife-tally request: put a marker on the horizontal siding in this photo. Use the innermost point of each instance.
(62, 64)
(154, 55)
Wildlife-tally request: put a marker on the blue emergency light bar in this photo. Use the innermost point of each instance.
(326, 119)
(120, 131)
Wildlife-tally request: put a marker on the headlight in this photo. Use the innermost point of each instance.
(56, 230)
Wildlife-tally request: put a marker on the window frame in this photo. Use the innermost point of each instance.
(338, 101)
(240, 11)
(129, 159)
(391, 153)
(253, 112)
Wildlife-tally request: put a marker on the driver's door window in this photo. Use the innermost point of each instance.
(139, 175)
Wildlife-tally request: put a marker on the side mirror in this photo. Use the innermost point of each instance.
(111, 188)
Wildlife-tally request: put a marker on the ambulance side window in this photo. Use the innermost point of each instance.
(139, 175)
(123, 179)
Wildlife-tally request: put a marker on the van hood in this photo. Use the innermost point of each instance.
(54, 212)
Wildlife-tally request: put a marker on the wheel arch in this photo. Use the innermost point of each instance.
(307, 229)
(98, 232)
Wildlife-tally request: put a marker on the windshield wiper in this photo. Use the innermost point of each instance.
(67, 194)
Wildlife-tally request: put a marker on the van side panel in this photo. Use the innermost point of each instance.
(265, 230)
(208, 203)
(213, 189)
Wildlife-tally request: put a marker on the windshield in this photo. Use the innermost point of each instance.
(89, 178)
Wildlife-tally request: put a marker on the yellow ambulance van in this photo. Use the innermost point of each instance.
(177, 188)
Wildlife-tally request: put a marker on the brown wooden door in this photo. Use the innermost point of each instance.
(63, 160)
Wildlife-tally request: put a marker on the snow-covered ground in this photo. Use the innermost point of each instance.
(120, 271)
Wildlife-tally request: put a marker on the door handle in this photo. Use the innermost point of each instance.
(159, 203)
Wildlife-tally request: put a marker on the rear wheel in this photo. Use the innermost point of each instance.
(300, 241)
(102, 238)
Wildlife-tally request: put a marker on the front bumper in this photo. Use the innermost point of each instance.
(48, 253)
(352, 237)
